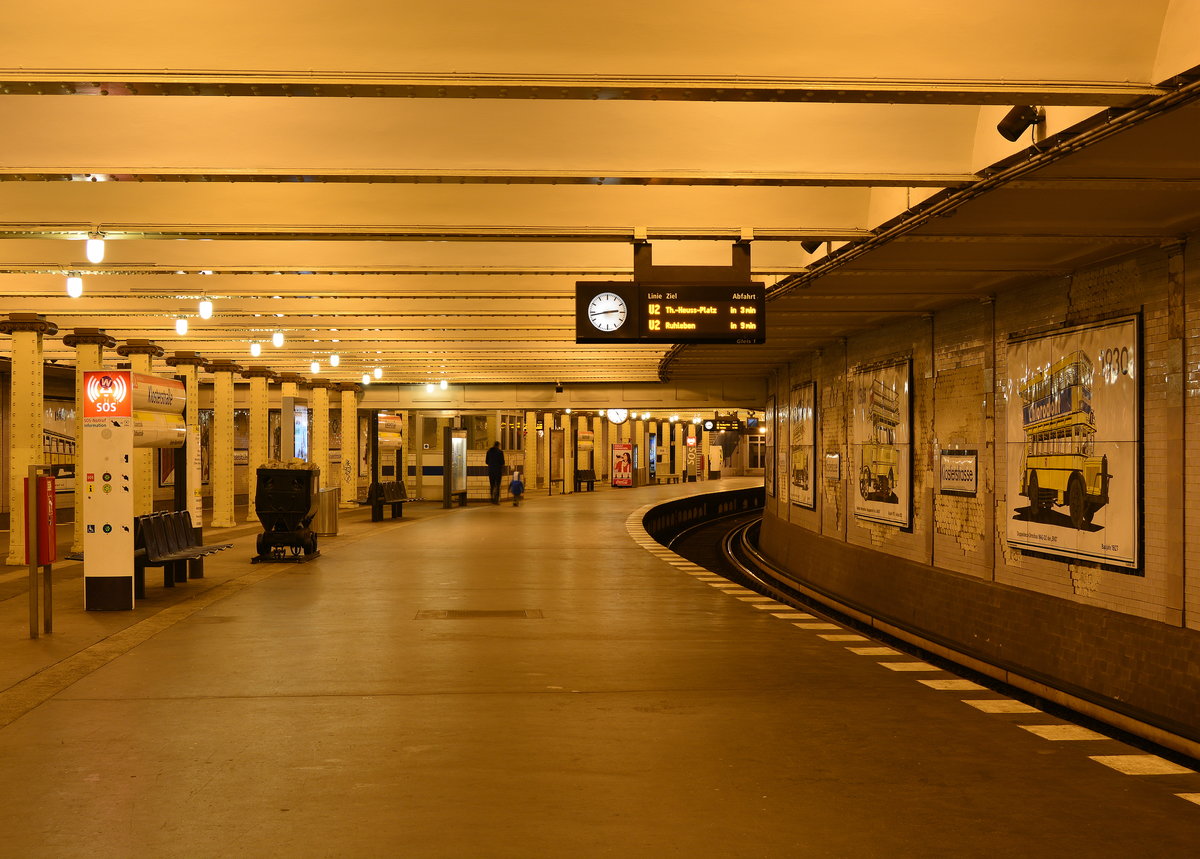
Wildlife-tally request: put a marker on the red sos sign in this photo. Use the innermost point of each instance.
(106, 393)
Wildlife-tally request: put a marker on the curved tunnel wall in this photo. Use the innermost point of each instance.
(1126, 638)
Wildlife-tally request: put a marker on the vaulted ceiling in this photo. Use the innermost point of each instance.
(418, 186)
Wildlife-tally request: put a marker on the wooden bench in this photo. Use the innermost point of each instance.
(667, 478)
(391, 492)
(167, 540)
(585, 475)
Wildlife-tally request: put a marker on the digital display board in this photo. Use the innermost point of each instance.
(628, 311)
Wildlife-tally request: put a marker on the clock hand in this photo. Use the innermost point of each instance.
(604, 312)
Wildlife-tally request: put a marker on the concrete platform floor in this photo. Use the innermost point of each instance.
(532, 682)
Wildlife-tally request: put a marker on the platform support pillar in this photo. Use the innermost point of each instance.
(349, 472)
(141, 355)
(221, 469)
(260, 433)
(25, 418)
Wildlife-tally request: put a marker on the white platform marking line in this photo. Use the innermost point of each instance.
(817, 626)
(1141, 764)
(847, 637)
(908, 666)
(1001, 705)
(953, 685)
(1190, 797)
(1063, 732)
(874, 651)
(792, 615)
(766, 606)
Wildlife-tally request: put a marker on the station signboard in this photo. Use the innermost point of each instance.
(633, 312)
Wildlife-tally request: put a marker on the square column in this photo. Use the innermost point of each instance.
(349, 472)
(221, 460)
(188, 366)
(25, 412)
(260, 439)
(319, 453)
(141, 355)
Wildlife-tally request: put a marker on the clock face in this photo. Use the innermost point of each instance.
(607, 311)
(618, 416)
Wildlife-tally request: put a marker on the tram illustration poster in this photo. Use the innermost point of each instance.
(881, 471)
(802, 476)
(1073, 424)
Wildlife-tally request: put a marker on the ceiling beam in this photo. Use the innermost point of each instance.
(576, 87)
(230, 232)
(521, 177)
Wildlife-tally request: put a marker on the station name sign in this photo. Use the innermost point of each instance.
(632, 312)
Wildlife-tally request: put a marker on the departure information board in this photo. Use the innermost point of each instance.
(627, 311)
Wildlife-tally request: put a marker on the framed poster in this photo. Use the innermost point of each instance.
(769, 441)
(882, 443)
(622, 464)
(958, 473)
(802, 478)
(1074, 436)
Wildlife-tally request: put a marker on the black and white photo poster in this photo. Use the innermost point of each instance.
(882, 465)
(802, 476)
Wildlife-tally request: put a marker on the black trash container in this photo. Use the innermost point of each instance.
(285, 499)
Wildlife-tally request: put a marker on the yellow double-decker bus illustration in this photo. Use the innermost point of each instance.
(880, 456)
(1060, 467)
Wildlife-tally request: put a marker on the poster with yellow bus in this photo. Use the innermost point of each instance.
(1073, 424)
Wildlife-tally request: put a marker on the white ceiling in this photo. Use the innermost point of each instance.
(418, 186)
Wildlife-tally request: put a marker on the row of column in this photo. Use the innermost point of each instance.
(538, 456)
(26, 420)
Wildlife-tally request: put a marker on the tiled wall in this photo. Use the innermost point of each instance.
(959, 397)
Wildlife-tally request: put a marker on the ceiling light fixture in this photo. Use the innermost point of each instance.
(74, 286)
(443, 384)
(315, 367)
(255, 349)
(429, 387)
(366, 378)
(334, 360)
(206, 307)
(181, 325)
(277, 339)
(94, 248)
(378, 372)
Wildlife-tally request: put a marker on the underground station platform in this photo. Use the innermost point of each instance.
(542, 680)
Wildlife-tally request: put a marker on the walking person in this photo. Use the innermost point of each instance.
(495, 467)
(516, 488)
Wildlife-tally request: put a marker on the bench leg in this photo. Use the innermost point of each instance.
(181, 571)
(397, 511)
(195, 568)
(139, 581)
(168, 575)
(377, 511)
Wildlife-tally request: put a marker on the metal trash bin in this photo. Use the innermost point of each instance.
(326, 522)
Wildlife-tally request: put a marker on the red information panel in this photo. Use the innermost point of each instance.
(107, 394)
(47, 519)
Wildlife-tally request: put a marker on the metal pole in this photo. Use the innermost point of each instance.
(31, 547)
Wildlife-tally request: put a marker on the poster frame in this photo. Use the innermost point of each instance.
(881, 510)
(802, 452)
(1038, 539)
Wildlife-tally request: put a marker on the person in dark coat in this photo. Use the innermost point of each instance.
(495, 467)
